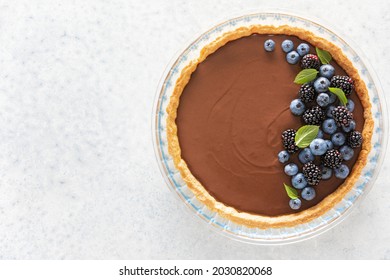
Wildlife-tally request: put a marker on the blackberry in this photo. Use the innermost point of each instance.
(310, 61)
(288, 137)
(354, 139)
(314, 115)
(312, 173)
(342, 116)
(307, 93)
(342, 82)
(332, 158)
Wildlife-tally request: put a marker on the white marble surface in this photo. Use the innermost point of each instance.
(78, 176)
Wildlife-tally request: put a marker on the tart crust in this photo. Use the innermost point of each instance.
(256, 220)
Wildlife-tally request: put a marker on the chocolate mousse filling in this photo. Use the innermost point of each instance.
(229, 123)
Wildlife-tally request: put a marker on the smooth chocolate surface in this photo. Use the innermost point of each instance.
(230, 119)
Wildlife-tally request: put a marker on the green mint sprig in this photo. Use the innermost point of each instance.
(340, 94)
(305, 76)
(324, 56)
(305, 135)
(291, 192)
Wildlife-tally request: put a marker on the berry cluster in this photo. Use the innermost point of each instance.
(316, 105)
(293, 56)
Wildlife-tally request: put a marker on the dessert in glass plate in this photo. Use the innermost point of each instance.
(267, 126)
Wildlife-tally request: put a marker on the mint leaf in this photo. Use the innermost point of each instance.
(305, 135)
(340, 94)
(291, 192)
(324, 56)
(305, 76)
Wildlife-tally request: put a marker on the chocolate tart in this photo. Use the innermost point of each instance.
(224, 121)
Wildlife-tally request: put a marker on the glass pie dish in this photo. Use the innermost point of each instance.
(270, 235)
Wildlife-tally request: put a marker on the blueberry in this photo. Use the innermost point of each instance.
(329, 144)
(329, 110)
(352, 126)
(327, 71)
(283, 156)
(291, 169)
(329, 126)
(298, 181)
(292, 57)
(303, 49)
(326, 173)
(269, 45)
(332, 97)
(341, 172)
(297, 107)
(323, 99)
(338, 139)
(350, 105)
(287, 46)
(305, 155)
(347, 152)
(318, 147)
(295, 204)
(321, 84)
(320, 134)
(308, 193)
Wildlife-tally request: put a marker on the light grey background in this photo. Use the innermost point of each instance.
(78, 175)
